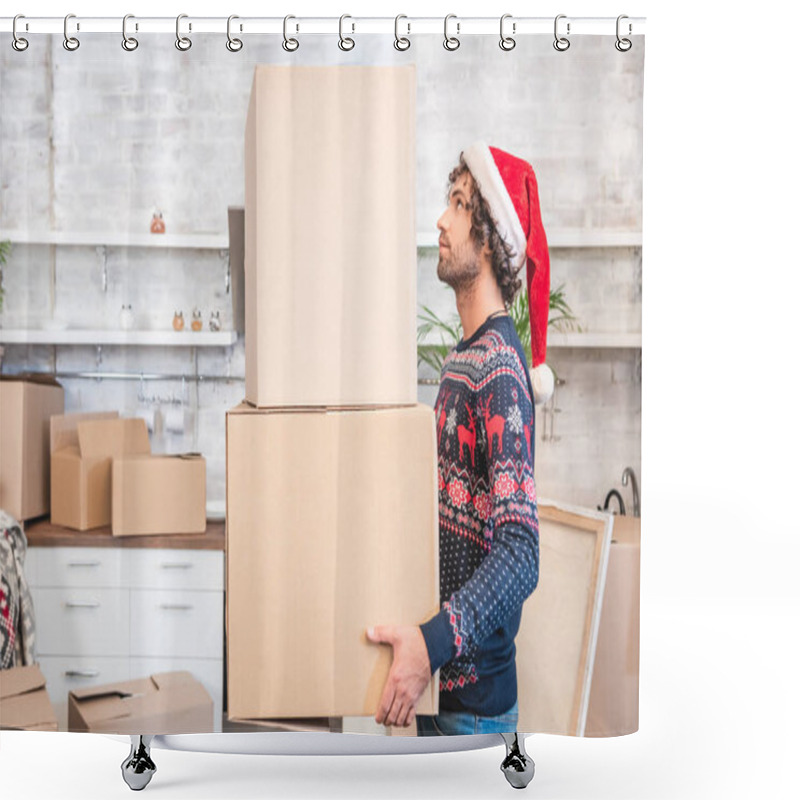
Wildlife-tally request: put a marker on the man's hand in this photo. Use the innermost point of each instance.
(409, 675)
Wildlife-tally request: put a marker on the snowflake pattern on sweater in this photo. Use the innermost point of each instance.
(488, 519)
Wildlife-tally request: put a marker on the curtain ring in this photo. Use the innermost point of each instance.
(623, 45)
(401, 42)
(345, 42)
(129, 43)
(234, 45)
(183, 43)
(507, 42)
(451, 42)
(561, 43)
(289, 45)
(18, 43)
(70, 42)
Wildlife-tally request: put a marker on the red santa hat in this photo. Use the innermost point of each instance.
(508, 184)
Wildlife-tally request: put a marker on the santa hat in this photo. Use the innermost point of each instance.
(508, 184)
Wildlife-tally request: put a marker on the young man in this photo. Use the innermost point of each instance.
(488, 519)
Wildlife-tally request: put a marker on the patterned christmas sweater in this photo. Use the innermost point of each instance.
(488, 519)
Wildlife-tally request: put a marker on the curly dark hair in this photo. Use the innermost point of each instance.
(484, 229)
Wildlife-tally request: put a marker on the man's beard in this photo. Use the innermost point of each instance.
(461, 268)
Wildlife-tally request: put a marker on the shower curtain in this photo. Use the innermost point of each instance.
(321, 382)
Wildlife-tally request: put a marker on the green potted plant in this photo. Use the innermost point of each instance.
(433, 354)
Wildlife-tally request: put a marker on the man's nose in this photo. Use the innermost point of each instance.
(441, 224)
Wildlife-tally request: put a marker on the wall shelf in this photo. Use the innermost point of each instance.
(111, 337)
(194, 241)
(557, 239)
(564, 238)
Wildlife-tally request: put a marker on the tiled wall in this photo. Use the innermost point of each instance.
(97, 139)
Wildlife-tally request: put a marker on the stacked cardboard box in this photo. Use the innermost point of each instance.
(331, 464)
(24, 702)
(103, 473)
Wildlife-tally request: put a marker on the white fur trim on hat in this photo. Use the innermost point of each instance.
(544, 384)
(481, 164)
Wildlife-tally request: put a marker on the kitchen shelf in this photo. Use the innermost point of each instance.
(194, 241)
(106, 337)
(556, 239)
(564, 238)
(581, 340)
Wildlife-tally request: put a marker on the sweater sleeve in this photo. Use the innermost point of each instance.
(509, 572)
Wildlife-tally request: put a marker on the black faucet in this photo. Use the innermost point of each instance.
(613, 493)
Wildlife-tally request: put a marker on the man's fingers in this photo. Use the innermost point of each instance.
(409, 717)
(387, 699)
(381, 633)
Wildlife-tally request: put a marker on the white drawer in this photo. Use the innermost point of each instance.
(63, 674)
(155, 568)
(74, 622)
(77, 566)
(176, 623)
(206, 670)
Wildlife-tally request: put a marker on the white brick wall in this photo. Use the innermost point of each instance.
(95, 140)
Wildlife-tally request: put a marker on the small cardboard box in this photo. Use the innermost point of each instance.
(332, 527)
(82, 448)
(163, 703)
(330, 252)
(159, 494)
(26, 404)
(24, 702)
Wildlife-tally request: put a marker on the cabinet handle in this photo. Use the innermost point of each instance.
(82, 673)
(84, 604)
(83, 564)
(177, 606)
(176, 565)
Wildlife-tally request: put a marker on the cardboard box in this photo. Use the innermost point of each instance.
(332, 527)
(24, 702)
(160, 494)
(330, 247)
(614, 699)
(82, 447)
(165, 702)
(26, 404)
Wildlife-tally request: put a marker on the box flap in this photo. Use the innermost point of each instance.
(113, 438)
(64, 427)
(19, 680)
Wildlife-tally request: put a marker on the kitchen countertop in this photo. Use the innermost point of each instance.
(42, 533)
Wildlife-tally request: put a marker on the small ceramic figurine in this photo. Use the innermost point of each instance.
(177, 321)
(157, 223)
(214, 323)
(126, 317)
(197, 322)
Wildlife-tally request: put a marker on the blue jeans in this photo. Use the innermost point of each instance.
(456, 723)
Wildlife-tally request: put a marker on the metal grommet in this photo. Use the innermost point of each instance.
(234, 45)
(451, 42)
(401, 42)
(345, 42)
(183, 43)
(70, 42)
(507, 42)
(18, 43)
(561, 43)
(290, 45)
(623, 45)
(129, 43)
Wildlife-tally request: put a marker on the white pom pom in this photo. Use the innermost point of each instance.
(544, 384)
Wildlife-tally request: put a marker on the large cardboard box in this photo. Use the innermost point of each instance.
(332, 527)
(82, 448)
(164, 703)
(614, 699)
(158, 494)
(24, 702)
(26, 404)
(330, 246)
